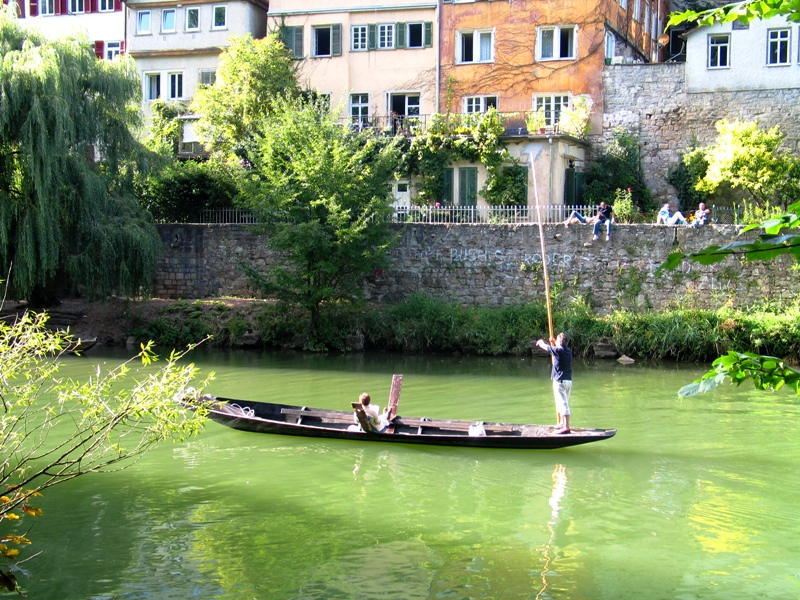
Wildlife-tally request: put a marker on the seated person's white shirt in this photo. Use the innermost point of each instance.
(374, 417)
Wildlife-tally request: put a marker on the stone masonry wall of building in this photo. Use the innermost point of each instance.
(495, 265)
(650, 101)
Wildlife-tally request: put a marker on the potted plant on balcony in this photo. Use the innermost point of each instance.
(574, 120)
(535, 121)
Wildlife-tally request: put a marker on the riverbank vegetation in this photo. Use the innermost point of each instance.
(423, 324)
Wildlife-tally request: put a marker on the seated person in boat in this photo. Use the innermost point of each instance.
(369, 418)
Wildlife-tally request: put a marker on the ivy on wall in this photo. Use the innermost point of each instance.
(450, 138)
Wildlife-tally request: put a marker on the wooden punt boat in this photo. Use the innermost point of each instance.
(266, 417)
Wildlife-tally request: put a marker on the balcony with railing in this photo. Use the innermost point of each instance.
(514, 124)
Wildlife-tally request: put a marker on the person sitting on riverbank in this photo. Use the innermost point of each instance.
(605, 216)
(667, 217)
(576, 217)
(370, 418)
(701, 216)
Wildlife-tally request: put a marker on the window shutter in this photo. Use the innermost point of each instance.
(91, 6)
(336, 39)
(34, 8)
(467, 186)
(117, 4)
(297, 48)
(122, 47)
(98, 48)
(400, 32)
(447, 187)
(57, 7)
(428, 34)
(287, 37)
(372, 35)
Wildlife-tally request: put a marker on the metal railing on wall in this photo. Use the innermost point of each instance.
(466, 215)
(550, 213)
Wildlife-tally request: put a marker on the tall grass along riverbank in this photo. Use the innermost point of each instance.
(425, 324)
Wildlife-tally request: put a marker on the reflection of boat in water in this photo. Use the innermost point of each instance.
(267, 417)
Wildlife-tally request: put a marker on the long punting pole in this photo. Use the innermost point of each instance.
(549, 306)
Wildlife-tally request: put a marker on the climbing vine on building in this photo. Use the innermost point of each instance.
(450, 138)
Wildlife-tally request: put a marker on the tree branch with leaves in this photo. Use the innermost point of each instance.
(54, 429)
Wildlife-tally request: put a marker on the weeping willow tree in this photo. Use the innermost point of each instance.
(68, 223)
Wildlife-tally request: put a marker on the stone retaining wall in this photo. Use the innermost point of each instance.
(494, 265)
(651, 101)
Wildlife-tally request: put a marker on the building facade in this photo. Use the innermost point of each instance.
(761, 55)
(375, 61)
(176, 45)
(102, 22)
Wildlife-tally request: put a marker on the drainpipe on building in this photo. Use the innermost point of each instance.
(438, 17)
(550, 200)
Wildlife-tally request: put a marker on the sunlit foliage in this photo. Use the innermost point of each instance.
(249, 74)
(54, 429)
(743, 12)
(324, 192)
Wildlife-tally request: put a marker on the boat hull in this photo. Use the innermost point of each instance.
(282, 419)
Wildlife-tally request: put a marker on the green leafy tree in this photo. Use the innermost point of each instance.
(744, 12)
(54, 429)
(250, 73)
(181, 190)
(324, 192)
(685, 176)
(68, 221)
(618, 167)
(750, 159)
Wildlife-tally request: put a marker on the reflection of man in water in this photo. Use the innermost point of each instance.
(559, 489)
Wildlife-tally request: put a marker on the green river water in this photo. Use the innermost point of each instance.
(693, 499)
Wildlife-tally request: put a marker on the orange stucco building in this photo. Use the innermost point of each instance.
(520, 55)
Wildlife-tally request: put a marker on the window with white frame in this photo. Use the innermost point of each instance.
(385, 36)
(322, 41)
(192, 19)
(113, 50)
(143, 22)
(623, 3)
(358, 38)
(551, 105)
(359, 109)
(76, 7)
(106, 5)
(168, 20)
(637, 9)
(415, 35)
(556, 42)
(327, 40)
(475, 46)
(778, 45)
(175, 86)
(646, 24)
(610, 45)
(207, 77)
(220, 20)
(719, 51)
(152, 86)
(47, 7)
(479, 104)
